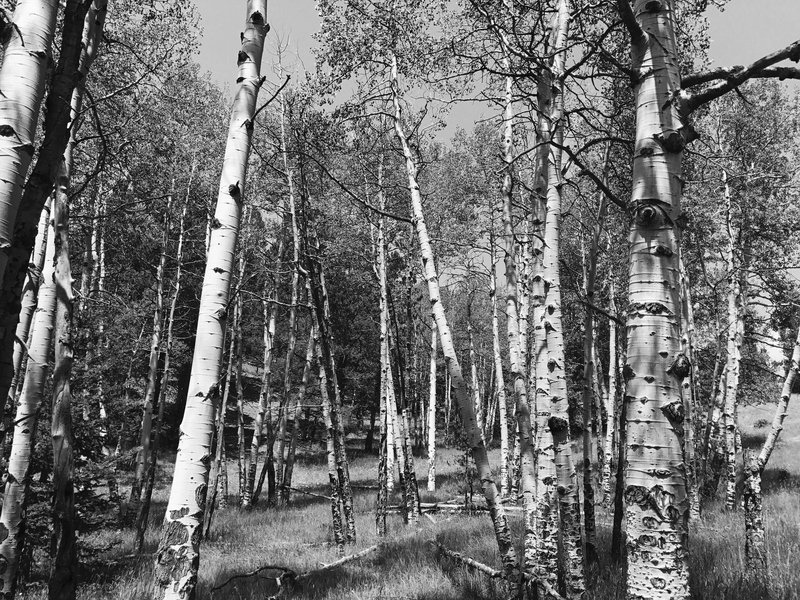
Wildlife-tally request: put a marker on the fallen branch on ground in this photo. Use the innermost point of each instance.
(432, 507)
(315, 495)
(492, 572)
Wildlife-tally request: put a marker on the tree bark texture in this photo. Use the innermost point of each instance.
(12, 518)
(472, 431)
(655, 485)
(178, 555)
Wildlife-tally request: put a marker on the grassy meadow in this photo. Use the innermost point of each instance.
(409, 567)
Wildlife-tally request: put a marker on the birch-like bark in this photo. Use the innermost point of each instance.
(23, 74)
(218, 479)
(319, 298)
(242, 457)
(179, 549)
(472, 431)
(63, 581)
(498, 375)
(294, 422)
(144, 510)
(755, 535)
(12, 517)
(610, 397)
(689, 389)
(432, 413)
(736, 309)
(292, 335)
(655, 486)
(330, 442)
(525, 441)
(30, 292)
(473, 371)
(146, 430)
(264, 414)
(569, 504)
(81, 34)
(589, 373)
(384, 470)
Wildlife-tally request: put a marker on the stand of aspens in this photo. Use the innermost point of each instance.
(649, 400)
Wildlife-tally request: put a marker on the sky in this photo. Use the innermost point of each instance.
(745, 30)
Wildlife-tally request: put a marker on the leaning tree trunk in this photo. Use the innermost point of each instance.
(12, 518)
(80, 38)
(657, 506)
(146, 430)
(473, 434)
(147, 494)
(179, 549)
(63, 581)
(319, 299)
(23, 74)
(755, 550)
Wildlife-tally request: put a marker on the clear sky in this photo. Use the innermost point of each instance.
(745, 30)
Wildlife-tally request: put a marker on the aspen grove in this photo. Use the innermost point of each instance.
(478, 299)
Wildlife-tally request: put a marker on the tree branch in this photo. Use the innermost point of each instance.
(629, 20)
(736, 76)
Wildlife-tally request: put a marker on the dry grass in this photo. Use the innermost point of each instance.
(408, 567)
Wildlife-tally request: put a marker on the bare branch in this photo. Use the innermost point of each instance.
(736, 76)
(629, 20)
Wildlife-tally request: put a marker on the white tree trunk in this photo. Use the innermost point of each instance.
(23, 73)
(12, 518)
(432, 414)
(472, 431)
(178, 554)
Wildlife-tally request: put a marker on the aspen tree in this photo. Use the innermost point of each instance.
(292, 335)
(63, 580)
(178, 555)
(755, 535)
(319, 298)
(264, 414)
(238, 360)
(499, 379)
(294, 422)
(23, 74)
(80, 38)
(12, 517)
(590, 372)
(147, 494)
(330, 444)
(432, 414)
(552, 105)
(611, 397)
(146, 428)
(655, 490)
(473, 432)
(384, 472)
(736, 309)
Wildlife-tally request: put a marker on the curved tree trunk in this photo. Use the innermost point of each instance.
(179, 550)
(473, 433)
(12, 518)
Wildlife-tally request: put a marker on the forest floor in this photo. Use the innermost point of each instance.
(408, 566)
